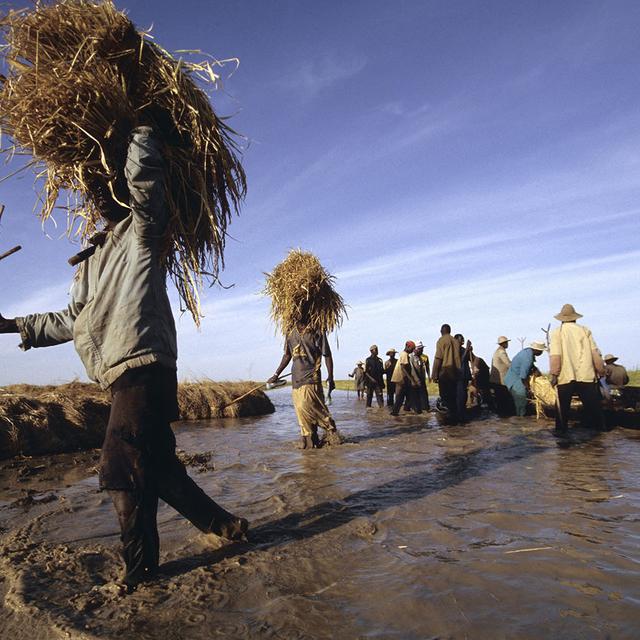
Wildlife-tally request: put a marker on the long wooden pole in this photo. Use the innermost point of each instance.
(248, 393)
(6, 254)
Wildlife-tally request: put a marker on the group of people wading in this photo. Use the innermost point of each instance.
(465, 380)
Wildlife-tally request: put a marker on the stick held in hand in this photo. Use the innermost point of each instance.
(6, 254)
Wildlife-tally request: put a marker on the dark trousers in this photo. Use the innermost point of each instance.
(138, 465)
(405, 393)
(503, 402)
(461, 400)
(422, 398)
(589, 394)
(391, 391)
(378, 392)
(449, 396)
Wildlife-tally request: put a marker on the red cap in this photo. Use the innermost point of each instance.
(410, 343)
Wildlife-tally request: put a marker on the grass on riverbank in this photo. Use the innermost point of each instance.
(350, 385)
(38, 420)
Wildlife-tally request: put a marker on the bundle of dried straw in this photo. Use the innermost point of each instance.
(303, 294)
(80, 77)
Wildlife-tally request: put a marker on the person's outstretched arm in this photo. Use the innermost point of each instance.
(51, 328)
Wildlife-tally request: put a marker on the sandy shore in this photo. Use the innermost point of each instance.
(410, 530)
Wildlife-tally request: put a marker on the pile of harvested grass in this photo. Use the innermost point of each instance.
(80, 77)
(201, 400)
(39, 420)
(303, 294)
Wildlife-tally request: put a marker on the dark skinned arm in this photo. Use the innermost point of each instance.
(286, 359)
(328, 360)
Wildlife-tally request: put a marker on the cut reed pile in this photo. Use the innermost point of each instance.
(80, 77)
(202, 400)
(40, 420)
(302, 294)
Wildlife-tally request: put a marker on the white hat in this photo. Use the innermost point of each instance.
(419, 344)
(538, 346)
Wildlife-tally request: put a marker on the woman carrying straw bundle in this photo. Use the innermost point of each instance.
(119, 317)
(305, 305)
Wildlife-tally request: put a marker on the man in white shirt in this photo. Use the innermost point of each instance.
(575, 366)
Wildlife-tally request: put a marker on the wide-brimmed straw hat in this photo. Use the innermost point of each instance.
(502, 339)
(567, 313)
(538, 346)
(359, 362)
(391, 352)
(610, 358)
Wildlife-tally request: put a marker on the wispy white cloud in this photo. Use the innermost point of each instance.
(516, 303)
(51, 297)
(412, 257)
(312, 76)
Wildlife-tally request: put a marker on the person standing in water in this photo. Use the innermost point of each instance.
(122, 326)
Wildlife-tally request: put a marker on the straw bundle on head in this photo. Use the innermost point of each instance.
(302, 294)
(80, 78)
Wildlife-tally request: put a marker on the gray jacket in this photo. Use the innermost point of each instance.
(119, 317)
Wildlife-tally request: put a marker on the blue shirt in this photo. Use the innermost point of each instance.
(520, 367)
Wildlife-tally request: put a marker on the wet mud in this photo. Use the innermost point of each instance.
(410, 529)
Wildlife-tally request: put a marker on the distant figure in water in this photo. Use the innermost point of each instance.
(121, 323)
(576, 364)
(420, 365)
(480, 376)
(406, 380)
(615, 374)
(306, 349)
(358, 377)
(447, 371)
(374, 376)
(522, 366)
(389, 368)
(500, 364)
(466, 352)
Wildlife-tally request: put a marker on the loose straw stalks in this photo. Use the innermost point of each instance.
(80, 78)
(302, 294)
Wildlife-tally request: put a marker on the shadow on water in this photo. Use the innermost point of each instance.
(457, 468)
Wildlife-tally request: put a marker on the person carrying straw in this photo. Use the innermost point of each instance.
(124, 156)
(305, 305)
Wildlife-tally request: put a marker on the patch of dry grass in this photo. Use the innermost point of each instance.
(38, 420)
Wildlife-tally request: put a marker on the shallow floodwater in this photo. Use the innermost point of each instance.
(410, 530)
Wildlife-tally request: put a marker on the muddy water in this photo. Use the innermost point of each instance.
(411, 530)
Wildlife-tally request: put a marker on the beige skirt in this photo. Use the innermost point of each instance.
(311, 410)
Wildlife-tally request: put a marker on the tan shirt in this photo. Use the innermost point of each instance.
(447, 365)
(572, 352)
(499, 365)
(398, 373)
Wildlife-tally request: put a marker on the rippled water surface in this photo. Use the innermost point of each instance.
(410, 530)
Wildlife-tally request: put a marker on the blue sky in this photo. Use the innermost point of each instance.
(462, 162)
